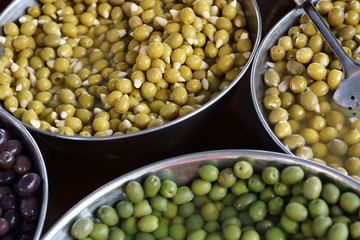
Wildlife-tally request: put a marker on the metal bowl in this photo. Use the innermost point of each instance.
(260, 66)
(176, 137)
(184, 169)
(18, 131)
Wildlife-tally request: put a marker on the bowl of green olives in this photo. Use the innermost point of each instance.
(223, 194)
(23, 182)
(101, 78)
(293, 85)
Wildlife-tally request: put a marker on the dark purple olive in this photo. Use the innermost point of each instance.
(28, 184)
(29, 208)
(7, 175)
(19, 204)
(22, 164)
(4, 226)
(27, 226)
(7, 159)
(4, 138)
(25, 236)
(14, 146)
(7, 237)
(4, 190)
(8, 202)
(12, 217)
(6, 132)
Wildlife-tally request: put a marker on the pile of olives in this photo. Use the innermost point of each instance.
(301, 79)
(237, 202)
(109, 67)
(20, 189)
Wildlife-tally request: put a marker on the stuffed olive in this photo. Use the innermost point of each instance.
(109, 67)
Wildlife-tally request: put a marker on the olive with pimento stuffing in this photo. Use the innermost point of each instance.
(83, 53)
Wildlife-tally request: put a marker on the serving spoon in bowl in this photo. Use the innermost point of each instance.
(347, 94)
(2, 49)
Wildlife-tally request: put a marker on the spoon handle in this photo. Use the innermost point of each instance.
(2, 50)
(348, 64)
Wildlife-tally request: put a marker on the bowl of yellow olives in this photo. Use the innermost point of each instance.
(223, 194)
(105, 78)
(293, 85)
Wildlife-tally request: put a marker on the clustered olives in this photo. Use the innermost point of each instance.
(109, 67)
(301, 79)
(19, 190)
(236, 202)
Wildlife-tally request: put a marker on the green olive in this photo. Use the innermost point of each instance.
(99, 63)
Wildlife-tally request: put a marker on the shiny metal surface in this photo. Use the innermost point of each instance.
(298, 2)
(260, 66)
(347, 94)
(18, 131)
(183, 169)
(14, 11)
(174, 138)
(2, 49)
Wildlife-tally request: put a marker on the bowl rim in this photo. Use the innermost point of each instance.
(199, 157)
(41, 167)
(171, 123)
(254, 76)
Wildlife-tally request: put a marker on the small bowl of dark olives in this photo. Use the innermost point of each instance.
(23, 182)
(224, 194)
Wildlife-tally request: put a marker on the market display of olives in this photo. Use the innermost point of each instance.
(236, 202)
(101, 68)
(20, 189)
(301, 78)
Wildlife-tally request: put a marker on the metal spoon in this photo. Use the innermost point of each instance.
(348, 93)
(2, 50)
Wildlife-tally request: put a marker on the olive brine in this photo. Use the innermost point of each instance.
(302, 76)
(237, 202)
(109, 67)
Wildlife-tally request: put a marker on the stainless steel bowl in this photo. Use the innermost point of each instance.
(260, 66)
(18, 131)
(184, 169)
(176, 137)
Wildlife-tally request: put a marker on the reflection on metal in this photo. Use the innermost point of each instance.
(184, 169)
